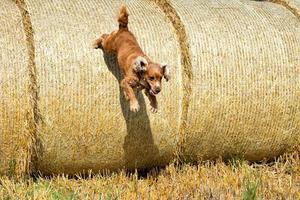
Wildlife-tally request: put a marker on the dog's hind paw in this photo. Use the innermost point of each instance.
(98, 44)
(134, 106)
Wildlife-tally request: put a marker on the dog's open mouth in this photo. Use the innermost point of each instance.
(153, 93)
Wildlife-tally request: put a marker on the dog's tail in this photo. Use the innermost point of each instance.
(123, 17)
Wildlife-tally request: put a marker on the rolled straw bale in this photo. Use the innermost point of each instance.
(234, 88)
(86, 123)
(14, 96)
(245, 85)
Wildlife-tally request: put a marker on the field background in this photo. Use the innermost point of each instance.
(231, 179)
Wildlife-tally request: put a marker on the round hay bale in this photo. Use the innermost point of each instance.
(234, 87)
(245, 85)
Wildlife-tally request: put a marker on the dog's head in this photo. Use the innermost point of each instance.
(152, 73)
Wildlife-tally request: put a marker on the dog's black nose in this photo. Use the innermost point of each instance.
(157, 90)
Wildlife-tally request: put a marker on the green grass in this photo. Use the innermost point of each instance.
(250, 192)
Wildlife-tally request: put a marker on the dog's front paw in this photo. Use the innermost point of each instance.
(154, 110)
(134, 106)
(153, 104)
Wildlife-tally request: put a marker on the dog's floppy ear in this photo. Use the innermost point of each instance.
(140, 64)
(166, 71)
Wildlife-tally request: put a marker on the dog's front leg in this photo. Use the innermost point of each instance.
(153, 101)
(129, 94)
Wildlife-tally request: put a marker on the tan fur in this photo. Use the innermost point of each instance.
(138, 70)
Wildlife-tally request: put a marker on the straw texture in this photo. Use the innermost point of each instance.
(14, 93)
(234, 88)
(291, 5)
(181, 34)
(245, 87)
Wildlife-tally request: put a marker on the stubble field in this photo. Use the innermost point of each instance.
(231, 179)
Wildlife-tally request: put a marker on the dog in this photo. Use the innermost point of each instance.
(139, 71)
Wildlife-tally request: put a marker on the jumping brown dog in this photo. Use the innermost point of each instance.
(138, 70)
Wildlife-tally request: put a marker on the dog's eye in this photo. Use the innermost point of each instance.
(151, 78)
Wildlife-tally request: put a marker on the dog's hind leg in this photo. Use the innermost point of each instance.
(98, 44)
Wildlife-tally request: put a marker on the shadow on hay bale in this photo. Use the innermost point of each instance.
(137, 124)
